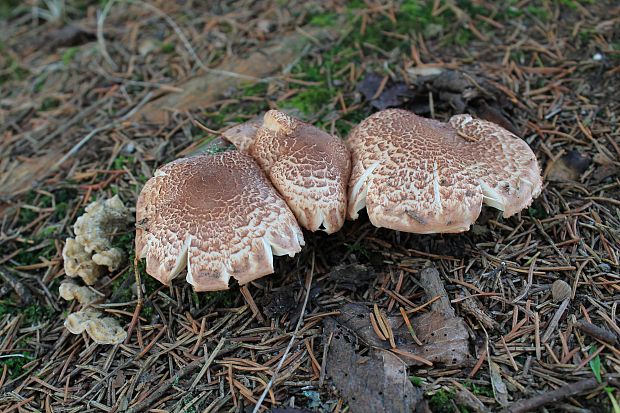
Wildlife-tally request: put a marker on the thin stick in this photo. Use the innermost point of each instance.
(553, 396)
(290, 343)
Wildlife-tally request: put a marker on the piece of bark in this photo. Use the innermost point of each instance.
(433, 287)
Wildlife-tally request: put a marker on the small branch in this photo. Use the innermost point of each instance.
(597, 332)
(553, 396)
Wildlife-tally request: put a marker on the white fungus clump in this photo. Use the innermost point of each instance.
(99, 223)
(83, 295)
(103, 330)
(91, 249)
(79, 263)
(110, 258)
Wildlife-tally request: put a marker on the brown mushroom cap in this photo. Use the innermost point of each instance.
(420, 175)
(216, 214)
(310, 168)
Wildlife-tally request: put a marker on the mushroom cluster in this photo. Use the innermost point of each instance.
(226, 215)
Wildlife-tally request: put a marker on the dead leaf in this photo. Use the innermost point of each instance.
(444, 340)
(277, 303)
(205, 89)
(351, 276)
(390, 94)
(499, 387)
(443, 335)
(569, 167)
(242, 135)
(18, 175)
(374, 382)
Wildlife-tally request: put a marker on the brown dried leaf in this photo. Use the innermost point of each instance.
(499, 387)
(375, 382)
(200, 91)
(351, 276)
(390, 94)
(569, 167)
(445, 340)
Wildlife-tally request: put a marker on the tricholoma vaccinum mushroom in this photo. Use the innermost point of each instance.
(226, 215)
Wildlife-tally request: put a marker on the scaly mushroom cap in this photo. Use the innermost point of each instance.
(420, 175)
(310, 168)
(216, 214)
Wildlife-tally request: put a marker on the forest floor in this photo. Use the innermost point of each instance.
(95, 95)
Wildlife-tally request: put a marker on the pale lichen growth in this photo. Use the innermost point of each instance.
(91, 249)
(83, 295)
(103, 330)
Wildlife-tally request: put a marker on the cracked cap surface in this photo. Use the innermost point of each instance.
(309, 167)
(217, 215)
(420, 175)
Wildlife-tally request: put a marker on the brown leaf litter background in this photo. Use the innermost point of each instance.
(94, 96)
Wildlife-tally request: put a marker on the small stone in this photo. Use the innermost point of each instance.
(560, 291)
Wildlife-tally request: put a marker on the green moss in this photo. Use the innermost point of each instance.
(167, 48)
(309, 101)
(68, 55)
(122, 161)
(416, 381)
(6, 307)
(26, 216)
(26, 256)
(13, 72)
(15, 363)
(479, 390)
(120, 287)
(536, 212)
(34, 314)
(324, 19)
(441, 402)
(256, 89)
(49, 104)
(219, 299)
(540, 12)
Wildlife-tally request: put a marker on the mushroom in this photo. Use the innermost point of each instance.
(103, 330)
(217, 215)
(91, 249)
(309, 167)
(420, 175)
(84, 295)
